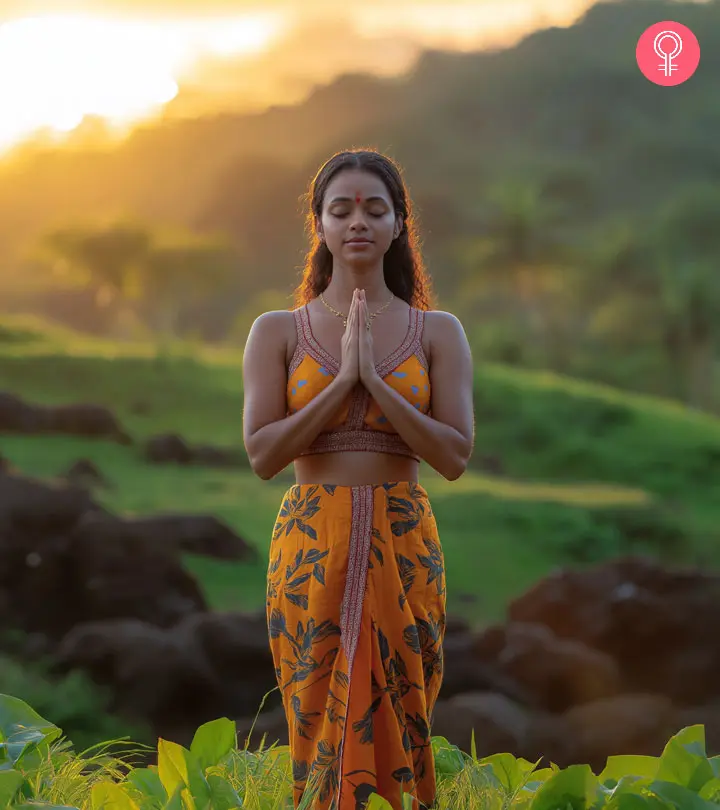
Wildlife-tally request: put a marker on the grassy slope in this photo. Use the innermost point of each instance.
(584, 466)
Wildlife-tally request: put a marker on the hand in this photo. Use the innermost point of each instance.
(349, 355)
(366, 355)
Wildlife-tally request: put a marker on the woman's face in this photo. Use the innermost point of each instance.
(358, 222)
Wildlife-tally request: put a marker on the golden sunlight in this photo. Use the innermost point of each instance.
(57, 69)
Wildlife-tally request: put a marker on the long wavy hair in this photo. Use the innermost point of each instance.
(404, 269)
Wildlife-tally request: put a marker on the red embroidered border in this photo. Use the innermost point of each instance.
(298, 354)
(348, 440)
(354, 595)
(312, 347)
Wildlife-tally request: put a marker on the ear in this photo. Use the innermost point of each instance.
(398, 226)
(319, 229)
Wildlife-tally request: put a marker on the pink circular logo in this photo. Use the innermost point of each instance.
(668, 53)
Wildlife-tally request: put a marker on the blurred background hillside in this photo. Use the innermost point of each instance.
(569, 210)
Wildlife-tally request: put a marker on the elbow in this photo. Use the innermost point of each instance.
(454, 472)
(457, 464)
(262, 470)
(259, 465)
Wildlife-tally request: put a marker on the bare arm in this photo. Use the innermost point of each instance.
(272, 438)
(445, 439)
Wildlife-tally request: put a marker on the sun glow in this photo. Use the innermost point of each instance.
(55, 70)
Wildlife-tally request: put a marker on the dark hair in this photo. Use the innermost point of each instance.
(404, 270)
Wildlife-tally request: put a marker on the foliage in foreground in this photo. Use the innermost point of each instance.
(38, 768)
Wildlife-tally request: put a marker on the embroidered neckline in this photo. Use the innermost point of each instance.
(410, 345)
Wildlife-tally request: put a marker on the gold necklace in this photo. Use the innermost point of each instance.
(370, 318)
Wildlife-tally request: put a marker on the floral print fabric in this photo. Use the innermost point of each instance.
(356, 616)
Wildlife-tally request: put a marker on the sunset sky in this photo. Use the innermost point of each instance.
(64, 63)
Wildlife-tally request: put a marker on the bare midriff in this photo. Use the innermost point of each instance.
(355, 469)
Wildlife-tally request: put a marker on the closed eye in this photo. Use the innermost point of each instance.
(342, 216)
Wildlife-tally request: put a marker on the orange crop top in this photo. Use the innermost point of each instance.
(359, 423)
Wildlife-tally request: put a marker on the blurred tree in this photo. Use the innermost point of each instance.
(661, 275)
(521, 258)
(107, 257)
(180, 270)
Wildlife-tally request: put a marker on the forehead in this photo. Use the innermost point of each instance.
(353, 182)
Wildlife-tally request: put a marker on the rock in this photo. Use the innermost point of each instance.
(57, 569)
(500, 724)
(554, 673)
(206, 666)
(152, 677)
(77, 419)
(196, 534)
(27, 504)
(463, 672)
(169, 448)
(643, 616)
(85, 473)
(625, 724)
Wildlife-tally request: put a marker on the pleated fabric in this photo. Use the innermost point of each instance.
(356, 617)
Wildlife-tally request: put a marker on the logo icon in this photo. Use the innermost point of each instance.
(668, 53)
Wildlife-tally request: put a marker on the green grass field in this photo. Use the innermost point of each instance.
(588, 472)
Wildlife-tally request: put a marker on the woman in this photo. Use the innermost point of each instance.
(344, 386)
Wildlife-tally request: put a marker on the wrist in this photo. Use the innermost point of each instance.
(371, 378)
(345, 381)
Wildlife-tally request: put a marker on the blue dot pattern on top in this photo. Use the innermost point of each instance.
(399, 374)
(324, 371)
(382, 419)
(300, 383)
(415, 389)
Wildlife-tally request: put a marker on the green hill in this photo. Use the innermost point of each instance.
(581, 472)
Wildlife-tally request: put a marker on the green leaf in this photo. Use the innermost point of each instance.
(408, 801)
(147, 781)
(176, 800)
(634, 801)
(178, 766)
(448, 758)
(10, 783)
(508, 772)
(680, 797)
(711, 791)
(576, 788)
(171, 767)
(629, 765)
(684, 761)
(377, 802)
(222, 794)
(22, 728)
(109, 796)
(213, 741)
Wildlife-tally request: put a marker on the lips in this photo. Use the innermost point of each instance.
(359, 242)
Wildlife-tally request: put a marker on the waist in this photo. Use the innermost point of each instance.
(355, 468)
(409, 489)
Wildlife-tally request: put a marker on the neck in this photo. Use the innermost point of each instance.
(343, 283)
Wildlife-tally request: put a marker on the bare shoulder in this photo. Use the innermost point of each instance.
(444, 330)
(276, 320)
(272, 331)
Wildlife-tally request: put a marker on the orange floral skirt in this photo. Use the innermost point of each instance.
(356, 614)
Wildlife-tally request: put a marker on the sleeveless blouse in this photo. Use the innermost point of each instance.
(359, 423)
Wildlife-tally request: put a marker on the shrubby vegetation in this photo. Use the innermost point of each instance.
(41, 768)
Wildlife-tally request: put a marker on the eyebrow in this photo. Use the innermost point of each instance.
(349, 199)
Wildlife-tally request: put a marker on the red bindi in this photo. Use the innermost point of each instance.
(357, 198)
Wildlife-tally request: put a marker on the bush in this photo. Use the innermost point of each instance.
(213, 774)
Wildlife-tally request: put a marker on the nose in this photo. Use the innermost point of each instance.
(357, 222)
